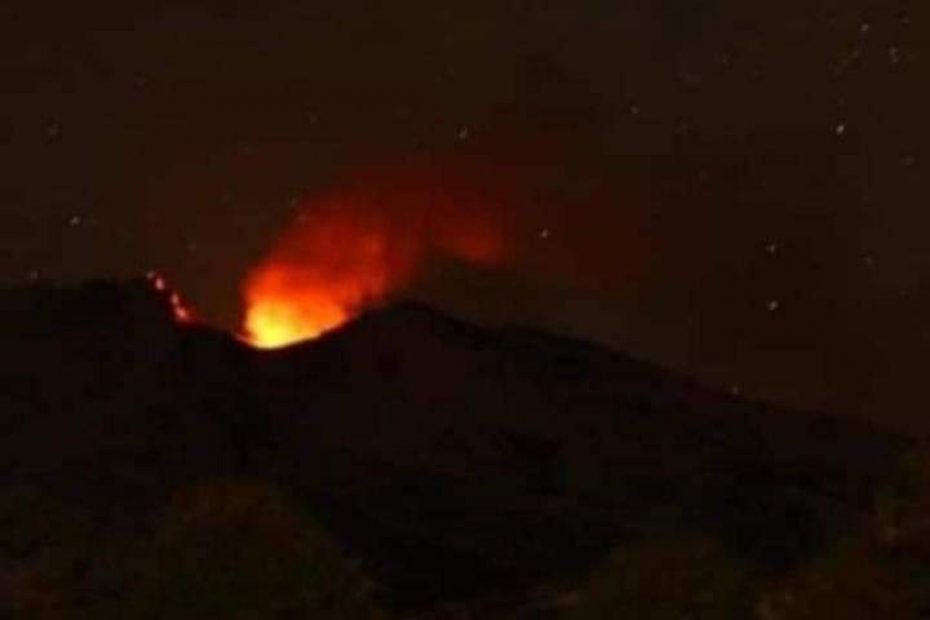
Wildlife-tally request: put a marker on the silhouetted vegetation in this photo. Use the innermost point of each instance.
(664, 580)
(880, 571)
(229, 549)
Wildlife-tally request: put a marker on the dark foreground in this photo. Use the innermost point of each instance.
(413, 465)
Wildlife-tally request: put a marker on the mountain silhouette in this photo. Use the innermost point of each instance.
(453, 460)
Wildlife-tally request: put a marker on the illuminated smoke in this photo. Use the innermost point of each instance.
(354, 247)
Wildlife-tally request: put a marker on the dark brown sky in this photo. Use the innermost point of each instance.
(765, 222)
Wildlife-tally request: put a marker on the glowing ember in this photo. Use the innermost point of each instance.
(158, 281)
(179, 310)
(354, 248)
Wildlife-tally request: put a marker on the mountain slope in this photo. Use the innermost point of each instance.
(512, 454)
(453, 460)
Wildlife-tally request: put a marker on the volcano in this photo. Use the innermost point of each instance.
(456, 462)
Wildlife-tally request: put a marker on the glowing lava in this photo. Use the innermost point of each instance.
(355, 247)
(179, 309)
(278, 322)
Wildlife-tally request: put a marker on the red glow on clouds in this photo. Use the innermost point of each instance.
(355, 247)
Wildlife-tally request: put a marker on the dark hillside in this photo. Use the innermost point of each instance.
(454, 461)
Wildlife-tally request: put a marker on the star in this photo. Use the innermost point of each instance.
(894, 54)
(53, 131)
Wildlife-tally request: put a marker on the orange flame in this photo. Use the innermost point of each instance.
(353, 248)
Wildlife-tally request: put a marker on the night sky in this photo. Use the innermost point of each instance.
(734, 189)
